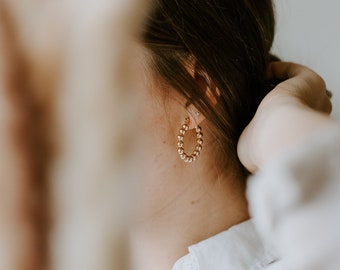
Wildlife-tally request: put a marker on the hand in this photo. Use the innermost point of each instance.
(292, 110)
(301, 84)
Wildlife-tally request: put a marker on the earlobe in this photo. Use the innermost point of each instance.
(195, 116)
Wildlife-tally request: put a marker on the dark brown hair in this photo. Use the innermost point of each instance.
(230, 40)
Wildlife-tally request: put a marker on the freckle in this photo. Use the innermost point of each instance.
(164, 142)
(193, 202)
(174, 166)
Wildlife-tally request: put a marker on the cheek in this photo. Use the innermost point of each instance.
(153, 128)
(157, 134)
(159, 116)
(158, 121)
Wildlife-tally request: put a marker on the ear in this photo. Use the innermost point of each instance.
(204, 81)
(211, 93)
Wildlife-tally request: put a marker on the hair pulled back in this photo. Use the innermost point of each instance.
(230, 40)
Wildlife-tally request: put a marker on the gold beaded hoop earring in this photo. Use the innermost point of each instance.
(180, 142)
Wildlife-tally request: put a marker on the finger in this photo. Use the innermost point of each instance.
(287, 70)
(284, 70)
(329, 94)
(303, 83)
(326, 103)
(295, 73)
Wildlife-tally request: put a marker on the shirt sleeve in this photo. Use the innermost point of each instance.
(295, 203)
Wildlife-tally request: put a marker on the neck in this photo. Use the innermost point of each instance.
(182, 209)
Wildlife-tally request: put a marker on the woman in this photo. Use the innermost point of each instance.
(205, 66)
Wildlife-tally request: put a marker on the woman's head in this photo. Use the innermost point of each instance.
(214, 53)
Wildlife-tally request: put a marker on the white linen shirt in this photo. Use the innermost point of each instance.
(237, 248)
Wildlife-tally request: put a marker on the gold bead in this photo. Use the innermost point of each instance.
(185, 127)
(198, 148)
(199, 135)
(199, 141)
(196, 153)
(198, 129)
(180, 137)
(189, 160)
(180, 144)
(180, 151)
(182, 131)
(183, 156)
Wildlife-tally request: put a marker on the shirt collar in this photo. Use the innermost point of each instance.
(237, 248)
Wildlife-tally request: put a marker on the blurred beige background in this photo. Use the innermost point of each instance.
(308, 32)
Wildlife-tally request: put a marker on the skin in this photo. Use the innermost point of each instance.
(179, 204)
